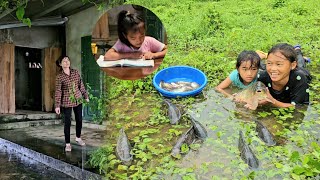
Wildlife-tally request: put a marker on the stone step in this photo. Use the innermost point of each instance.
(25, 124)
(8, 118)
(66, 168)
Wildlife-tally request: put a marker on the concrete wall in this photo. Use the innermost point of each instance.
(79, 25)
(34, 37)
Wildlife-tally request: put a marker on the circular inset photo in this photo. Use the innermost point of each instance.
(129, 42)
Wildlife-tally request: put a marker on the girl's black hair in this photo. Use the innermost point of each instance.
(251, 56)
(286, 50)
(129, 22)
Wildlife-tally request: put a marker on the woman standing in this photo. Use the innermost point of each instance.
(69, 92)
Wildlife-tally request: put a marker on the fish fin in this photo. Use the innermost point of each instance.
(251, 106)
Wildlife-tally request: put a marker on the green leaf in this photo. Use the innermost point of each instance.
(309, 173)
(213, 127)
(195, 146)
(20, 13)
(278, 165)
(294, 176)
(122, 167)
(111, 156)
(295, 156)
(275, 112)
(184, 148)
(188, 177)
(147, 140)
(132, 167)
(219, 134)
(251, 175)
(27, 21)
(305, 160)
(298, 170)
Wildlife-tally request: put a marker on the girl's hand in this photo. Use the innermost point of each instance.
(87, 100)
(250, 106)
(135, 55)
(57, 110)
(235, 98)
(269, 98)
(148, 55)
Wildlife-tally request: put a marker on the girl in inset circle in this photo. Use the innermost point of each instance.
(133, 42)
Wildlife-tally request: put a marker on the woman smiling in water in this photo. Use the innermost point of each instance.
(286, 85)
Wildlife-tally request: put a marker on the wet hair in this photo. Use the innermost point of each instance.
(129, 22)
(251, 56)
(286, 50)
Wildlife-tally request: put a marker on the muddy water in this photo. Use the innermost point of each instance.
(17, 166)
(219, 155)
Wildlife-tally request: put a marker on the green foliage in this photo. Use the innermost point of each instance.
(98, 105)
(103, 159)
(306, 165)
(20, 5)
(209, 35)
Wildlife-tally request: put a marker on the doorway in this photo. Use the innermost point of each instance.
(28, 78)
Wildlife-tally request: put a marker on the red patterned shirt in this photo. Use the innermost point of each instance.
(69, 89)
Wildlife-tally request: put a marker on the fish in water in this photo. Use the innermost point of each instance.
(252, 95)
(179, 86)
(199, 129)
(123, 148)
(188, 138)
(174, 112)
(264, 134)
(246, 153)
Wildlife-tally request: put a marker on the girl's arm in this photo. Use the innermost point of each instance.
(58, 94)
(223, 85)
(279, 104)
(274, 102)
(112, 54)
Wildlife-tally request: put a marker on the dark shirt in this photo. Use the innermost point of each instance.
(296, 91)
(67, 86)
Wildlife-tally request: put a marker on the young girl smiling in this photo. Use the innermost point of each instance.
(287, 85)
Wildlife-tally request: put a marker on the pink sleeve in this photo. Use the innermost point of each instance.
(118, 46)
(155, 45)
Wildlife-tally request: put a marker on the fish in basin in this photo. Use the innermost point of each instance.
(174, 112)
(252, 95)
(264, 134)
(179, 86)
(123, 148)
(246, 153)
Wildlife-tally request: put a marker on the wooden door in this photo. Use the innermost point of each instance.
(50, 71)
(7, 83)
